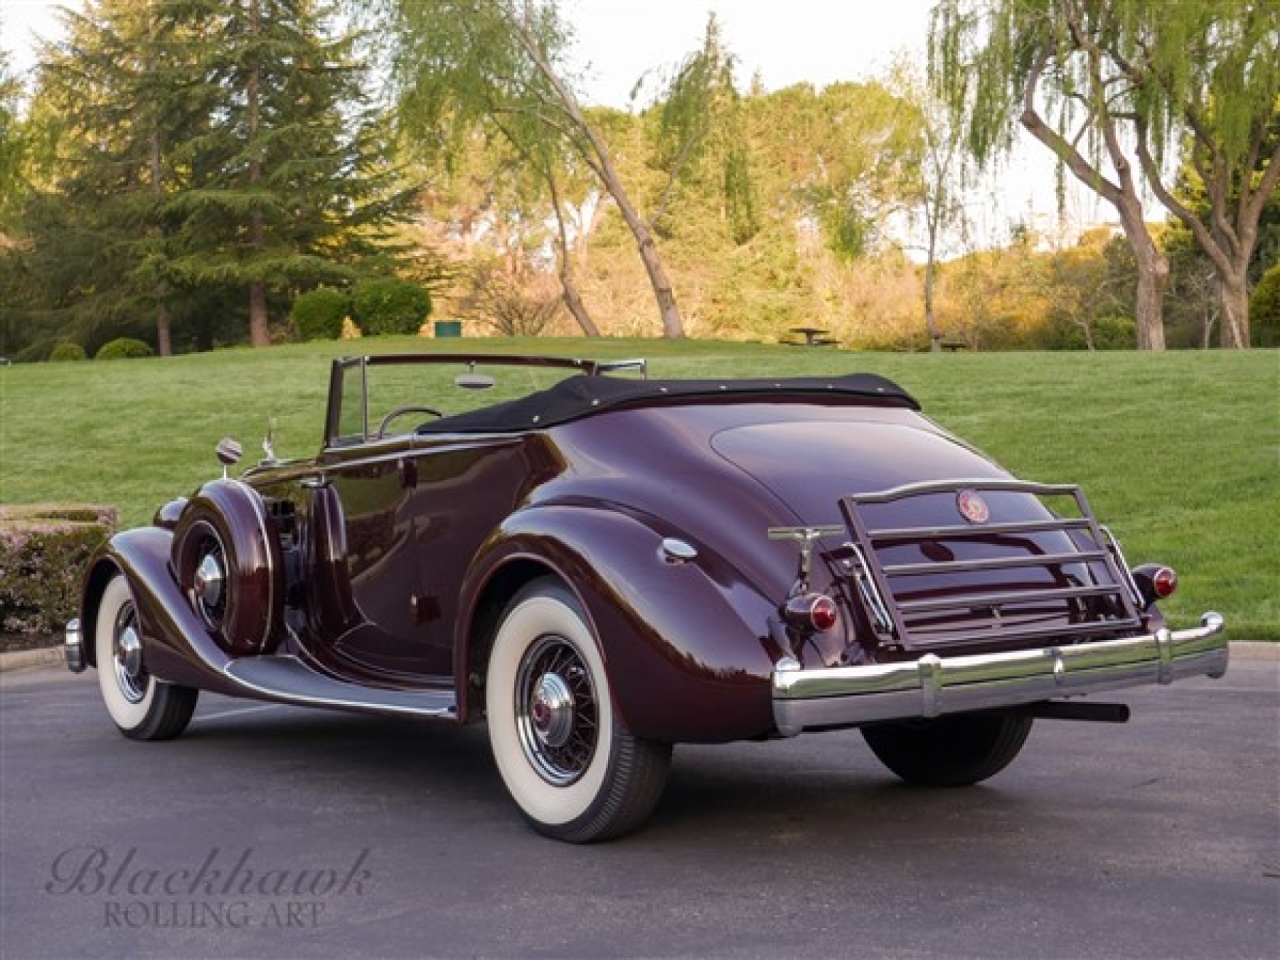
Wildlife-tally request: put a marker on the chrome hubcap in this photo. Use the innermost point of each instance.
(556, 712)
(552, 710)
(127, 649)
(209, 580)
(209, 585)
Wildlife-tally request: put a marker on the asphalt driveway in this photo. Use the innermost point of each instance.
(271, 831)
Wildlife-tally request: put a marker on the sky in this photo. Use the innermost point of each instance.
(785, 41)
(780, 41)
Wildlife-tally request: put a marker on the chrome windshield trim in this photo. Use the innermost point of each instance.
(933, 686)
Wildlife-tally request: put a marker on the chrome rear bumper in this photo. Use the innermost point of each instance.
(933, 686)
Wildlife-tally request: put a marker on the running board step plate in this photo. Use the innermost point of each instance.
(288, 679)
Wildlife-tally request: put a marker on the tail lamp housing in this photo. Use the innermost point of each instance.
(811, 613)
(1155, 582)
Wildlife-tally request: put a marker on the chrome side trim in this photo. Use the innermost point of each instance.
(73, 644)
(934, 686)
(286, 679)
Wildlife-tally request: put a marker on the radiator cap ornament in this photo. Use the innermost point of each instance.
(972, 507)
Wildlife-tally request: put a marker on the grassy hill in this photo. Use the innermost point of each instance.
(1179, 452)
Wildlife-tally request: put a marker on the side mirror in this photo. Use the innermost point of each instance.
(229, 453)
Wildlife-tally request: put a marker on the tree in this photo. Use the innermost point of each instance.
(206, 161)
(288, 186)
(938, 183)
(1230, 112)
(1121, 72)
(1001, 62)
(11, 141)
(842, 159)
(500, 64)
(103, 112)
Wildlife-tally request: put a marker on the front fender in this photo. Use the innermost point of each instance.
(176, 645)
(686, 644)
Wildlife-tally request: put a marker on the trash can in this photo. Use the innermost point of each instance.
(448, 328)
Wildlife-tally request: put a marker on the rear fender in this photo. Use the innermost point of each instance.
(685, 643)
(176, 646)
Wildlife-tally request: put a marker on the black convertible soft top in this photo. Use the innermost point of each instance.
(583, 395)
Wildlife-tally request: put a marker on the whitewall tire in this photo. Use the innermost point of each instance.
(564, 754)
(142, 707)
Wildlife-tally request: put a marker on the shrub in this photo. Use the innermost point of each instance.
(43, 552)
(1264, 309)
(512, 308)
(390, 307)
(67, 351)
(124, 348)
(318, 314)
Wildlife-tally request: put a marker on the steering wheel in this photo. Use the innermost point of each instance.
(400, 412)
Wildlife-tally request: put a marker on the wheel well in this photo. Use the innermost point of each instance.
(95, 584)
(506, 583)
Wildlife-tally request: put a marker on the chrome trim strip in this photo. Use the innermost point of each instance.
(1126, 571)
(975, 483)
(934, 686)
(329, 692)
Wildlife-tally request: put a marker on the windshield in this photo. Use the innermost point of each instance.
(377, 396)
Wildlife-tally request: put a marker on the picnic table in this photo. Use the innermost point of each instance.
(813, 336)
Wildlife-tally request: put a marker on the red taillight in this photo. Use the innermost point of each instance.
(811, 612)
(1154, 582)
(1164, 582)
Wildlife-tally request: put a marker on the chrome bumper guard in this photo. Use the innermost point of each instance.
(73, 644)
(933, 686)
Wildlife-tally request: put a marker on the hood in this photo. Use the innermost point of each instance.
(811, 464)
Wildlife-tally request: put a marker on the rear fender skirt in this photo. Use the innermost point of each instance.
(683, 640)
(176, 645)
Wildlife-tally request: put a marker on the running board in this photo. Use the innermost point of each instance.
(287, 679)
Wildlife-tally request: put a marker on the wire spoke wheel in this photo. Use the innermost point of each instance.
(567, 759)
(556, 711)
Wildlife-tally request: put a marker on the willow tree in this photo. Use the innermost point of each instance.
(502, 65)
(1106, 85)
(1213, 74)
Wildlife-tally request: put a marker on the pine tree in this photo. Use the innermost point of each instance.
(205, 157)
(288, 188)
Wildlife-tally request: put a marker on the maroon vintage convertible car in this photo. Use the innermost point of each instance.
(612, 565)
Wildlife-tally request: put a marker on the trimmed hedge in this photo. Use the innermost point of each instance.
(124, 348)
(67, 351)
(43, 552)
(1264, 309)
(318, 314)
(389, 306)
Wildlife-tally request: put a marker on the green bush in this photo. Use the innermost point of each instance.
(318, 314)
(43, 552)
(390, 307)
(1264, 309)
(67, 351)
(124, 348)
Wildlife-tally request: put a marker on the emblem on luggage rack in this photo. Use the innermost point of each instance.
(972, 507)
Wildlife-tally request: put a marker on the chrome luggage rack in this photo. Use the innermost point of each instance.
(1090, 592)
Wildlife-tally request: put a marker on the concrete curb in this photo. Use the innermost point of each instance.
(48, 656)
(40, 657)
(1247, 650)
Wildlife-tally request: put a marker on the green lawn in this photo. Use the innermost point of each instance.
(1178, 452)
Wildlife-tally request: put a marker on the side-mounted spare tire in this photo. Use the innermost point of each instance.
(226, 557)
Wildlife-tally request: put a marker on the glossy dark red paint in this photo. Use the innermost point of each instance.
(385, 562)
